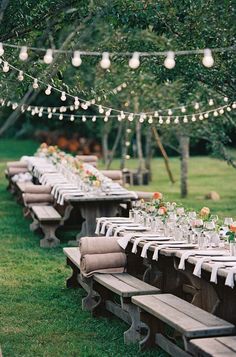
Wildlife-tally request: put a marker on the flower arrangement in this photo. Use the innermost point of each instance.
(232, 232)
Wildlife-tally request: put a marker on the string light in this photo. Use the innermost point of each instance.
(76, 60)
(183, 109)
(48, 57)
(105, 62)
(61, 117)
(207, 60)
(20, 76)
(196, 106)
(169, 62)
(72, 117)
(211, 102)
(35, 84)
(23, 56)
(84, 118)
(48, 90)
(5, 67)
(63, 96)
(94, 118)
(134, 62)
(1, 49)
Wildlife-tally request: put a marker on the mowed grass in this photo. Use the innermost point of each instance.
(38, 315)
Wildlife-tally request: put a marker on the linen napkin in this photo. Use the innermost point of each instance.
(214, 271)
(230, 277)
(98, 225)
(123, 241)
(145, 248)
(103, 228)
(198, 267)
(185, 256)
(156, 251)
(135, 245)
(109, 230)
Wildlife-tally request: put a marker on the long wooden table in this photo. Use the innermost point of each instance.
(93, 207)
(218, 299)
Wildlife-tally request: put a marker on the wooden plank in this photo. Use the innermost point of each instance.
(211, 347)
(118, 311)
(74, 255)
(115, 285)
(194, 312)
(137, 283)
(168, 314)
(46, 213)
(169, 346)
(229, 341)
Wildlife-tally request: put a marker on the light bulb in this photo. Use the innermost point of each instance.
(168, 120)
(196, 106)
(23, 56)
(93, 101)
(106, 119)
(5, 67)
(221, 111)
(84, 106)
(72, 108)
(124, 85)
(134, 62)
(234, 105)
(63, 96)
(49, 110)
(48, 58)
(156, 114)
(127, 157)
(150, 120)
(141, 120)
(228, 109)
(131, 117)
(170, 60)
(105, 62)
(108, 112)
(100, 109)
(128, 130)
(122, 115)
(61, 117)
(72, 118)
(54, 110)
(200, 116)
(76, 101)
(206, 115)
(183, 109)
(226, 99)
(35, 83)
(170, 112)
(48, 90)
(215, 113)
(20, 76)
(194, 118)
(176, 121)
(207, 60)
(160, 120)
(84, 118)
(14, 106)
(94, 118)
(119, 118)
(76, 60)
(185, 120)
(127, 143)
(40, 114)
(1, 49)
(49, 115)
(211, 102)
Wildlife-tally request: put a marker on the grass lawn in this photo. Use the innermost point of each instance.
(38, 316)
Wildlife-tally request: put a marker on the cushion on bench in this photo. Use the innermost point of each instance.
(30, 198)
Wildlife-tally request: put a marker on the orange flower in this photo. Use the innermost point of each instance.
(162, 210)
(205, 211)
(157, 196)
(233, 227)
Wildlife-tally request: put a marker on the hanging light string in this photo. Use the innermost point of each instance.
(85, 104)
(105, 62)
(215, 112)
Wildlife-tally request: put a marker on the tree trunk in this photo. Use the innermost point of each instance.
(116, 142)
(105, 145)
(164, 154)
(184, 157)
(148, 151)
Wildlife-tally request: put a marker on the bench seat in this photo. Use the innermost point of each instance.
(48, 219)
(213, 346)
(103, 290)
(189, 320)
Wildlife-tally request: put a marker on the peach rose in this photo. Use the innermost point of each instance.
(157, 196)
(205, 211)
(162, 210)
(233, 227)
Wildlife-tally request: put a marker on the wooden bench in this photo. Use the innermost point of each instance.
(188, 320)
(103, 290)
(48, 219)
(213, 347)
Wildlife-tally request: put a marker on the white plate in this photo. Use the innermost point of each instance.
(140, 228)
(175, 242)
(165, 239)
(224, 259)
(182, 246)
(210, 252)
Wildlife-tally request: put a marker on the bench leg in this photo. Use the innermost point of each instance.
(92, 300)
(72, 282)
(132, 335)
(34, 225)
(153, 326)
(50, 240)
